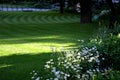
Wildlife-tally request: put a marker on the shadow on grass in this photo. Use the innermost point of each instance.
(29, 30)
(48, 33)
(18, 67)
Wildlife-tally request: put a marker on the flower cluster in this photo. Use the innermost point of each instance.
(77, 64)
(104, 12)
(35, 75)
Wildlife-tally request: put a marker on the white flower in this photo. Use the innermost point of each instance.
(62, 58)
(52, 62)
(78, 57)
(35, 73)
(85, 51)
(68, 63)
(91, 59)
(51, 78)
(103, 74)
(90, 72)
(82, 58)
(77, 70)
(54, 69)
(103, 58)
(37, 78)
(97, 70)
(56, 79)
(48, 62)
(86, 48)
(62, 72)
(51, 59)
(74, 60)
(65, 60)
(97, 60)
(78, 53)
(68, 75)
(32, 77)
(83, 75)
(81, 67)
(78, 40)
(78, 76)
(97, 52)
(57, 73)
(94, 48)
(47, 66)
(58, 58)
(67, 67)
(94, 70)
(77, 65)
(82, 40)
(65, 78)
(62, 62)
(74, 69)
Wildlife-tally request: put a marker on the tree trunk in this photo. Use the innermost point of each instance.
(61, 6)
(86, 11)
(112, 14)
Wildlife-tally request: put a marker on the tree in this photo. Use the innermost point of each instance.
(113, 19)
(61, 2)
(86, 11)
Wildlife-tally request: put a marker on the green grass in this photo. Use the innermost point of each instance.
(26, 39)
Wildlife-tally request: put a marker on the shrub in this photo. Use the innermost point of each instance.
(97, 59)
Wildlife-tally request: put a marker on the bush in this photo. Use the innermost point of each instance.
(42, 5)
(97, 59)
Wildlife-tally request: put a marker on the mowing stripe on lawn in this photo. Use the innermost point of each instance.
(37, 19)
(23, 18)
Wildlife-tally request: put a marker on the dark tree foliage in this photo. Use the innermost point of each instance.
(113, 19)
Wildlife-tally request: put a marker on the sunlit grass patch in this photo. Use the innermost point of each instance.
(4, 66)
(119, 35)
(28, 38)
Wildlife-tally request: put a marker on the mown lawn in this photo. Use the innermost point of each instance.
(27, 39)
